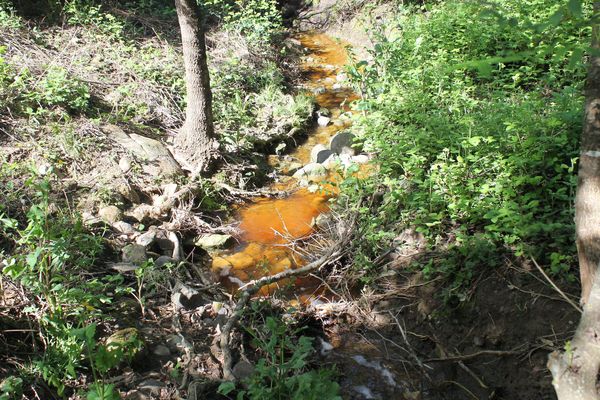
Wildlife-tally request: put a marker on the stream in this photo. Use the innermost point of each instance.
(268, 226)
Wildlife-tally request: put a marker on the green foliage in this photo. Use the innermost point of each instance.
(259, 20)
(11, 388)
(482, 151)
(88, 13)
(283, 371)
(52, 253)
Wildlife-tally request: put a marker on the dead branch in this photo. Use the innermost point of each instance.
(463, 357)
(252, 288)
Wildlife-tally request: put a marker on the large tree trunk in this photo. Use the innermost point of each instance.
(194, 143)
(575, 370)
(587, 203)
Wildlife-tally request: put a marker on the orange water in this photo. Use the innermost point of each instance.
(268, 225)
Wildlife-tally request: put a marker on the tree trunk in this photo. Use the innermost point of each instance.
(587, 201)
(575, 370)
(195, 141)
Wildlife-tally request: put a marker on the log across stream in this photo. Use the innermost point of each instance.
(268, 226)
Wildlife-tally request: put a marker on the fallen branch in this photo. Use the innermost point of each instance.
(563, 295)
(463, 357)
(252, 288)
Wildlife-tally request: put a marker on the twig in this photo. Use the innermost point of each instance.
(476, 354)
(252, 288)
(564, 296)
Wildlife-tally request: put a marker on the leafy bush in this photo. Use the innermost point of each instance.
(283, 372)
(476, 126)
(259, 20)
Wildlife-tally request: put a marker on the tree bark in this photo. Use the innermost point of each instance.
(195, 141)
(587, 201)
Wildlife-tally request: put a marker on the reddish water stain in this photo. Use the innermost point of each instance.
(268, 225)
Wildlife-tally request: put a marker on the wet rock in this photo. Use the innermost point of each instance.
(311, 171)
(124, 227)
(213, 241)
(243, 369)
(161, 351)
(332, 162)
(341, 141)
(323, 156)
(315, 151)
(110, 214)
(134, 253)
(323, 121)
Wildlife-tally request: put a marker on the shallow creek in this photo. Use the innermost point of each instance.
(269, 225)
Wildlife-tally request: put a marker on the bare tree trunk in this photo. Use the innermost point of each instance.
(587, 202)
(195, 141)
(575, 370)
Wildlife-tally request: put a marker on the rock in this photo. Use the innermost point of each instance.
(319, 90)
(123, 337)
(336, 86)
(178, 343)
(152, 386)
(186, 297)
(348, 151)
(213, 241)
(323, 155)
(332, 162)
(323, 120)
(129, 193)
(315, 151)
(291, 168)
(341, 77)
(162, 351)
(142, 213)
(360, 159)
(311, 171)
(157, 159)
(125, 164)
(134, 253)
(124, 227)
(110, 214)
(340, 141)
(243, 369)
(345, 160)
(146, 239)
(123, 267)
(164, 260)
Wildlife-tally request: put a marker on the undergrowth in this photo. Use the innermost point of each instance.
(474, 113)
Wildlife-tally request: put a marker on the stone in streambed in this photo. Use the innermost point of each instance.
(342, 143)
(311, 171)
(213, 241)
(315, 151)
(323, 121)
(323, 155)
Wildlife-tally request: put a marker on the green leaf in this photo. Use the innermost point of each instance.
(226, 387)
(575, 7)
